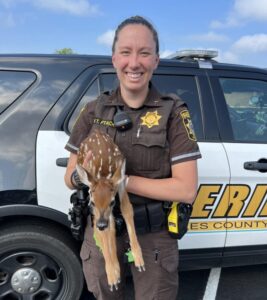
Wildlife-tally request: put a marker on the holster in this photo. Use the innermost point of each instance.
(178, 219)
(78, 213)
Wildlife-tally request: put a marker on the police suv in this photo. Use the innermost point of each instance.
(40, 99)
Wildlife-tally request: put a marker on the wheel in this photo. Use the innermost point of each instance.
(38, 262)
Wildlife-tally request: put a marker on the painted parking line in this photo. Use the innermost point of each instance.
(212, 284)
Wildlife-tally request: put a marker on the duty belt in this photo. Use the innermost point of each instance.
(149, 217)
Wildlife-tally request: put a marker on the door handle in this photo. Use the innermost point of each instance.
(260, 165)
(62, 161)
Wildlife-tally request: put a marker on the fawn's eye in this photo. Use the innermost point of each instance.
(92, 204)
(112, 203)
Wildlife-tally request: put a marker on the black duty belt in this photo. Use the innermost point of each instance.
(149, 217)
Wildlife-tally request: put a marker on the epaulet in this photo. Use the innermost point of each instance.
(173, 96)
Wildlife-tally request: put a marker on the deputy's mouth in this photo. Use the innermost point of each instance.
(134, 75)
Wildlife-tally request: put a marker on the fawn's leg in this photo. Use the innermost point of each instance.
(128, 215)
(107, 241)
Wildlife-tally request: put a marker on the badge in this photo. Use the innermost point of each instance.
(151, 119)
(188, 125)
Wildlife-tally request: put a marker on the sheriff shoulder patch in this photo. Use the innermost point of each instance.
(151, 119)
(188, 125)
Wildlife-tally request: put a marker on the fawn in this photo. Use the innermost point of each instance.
(105, 176)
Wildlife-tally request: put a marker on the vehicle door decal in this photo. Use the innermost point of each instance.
(244, 210)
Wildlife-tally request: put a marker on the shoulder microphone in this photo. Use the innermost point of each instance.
(121, 120)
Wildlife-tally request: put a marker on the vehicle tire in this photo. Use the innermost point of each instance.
(38, 262)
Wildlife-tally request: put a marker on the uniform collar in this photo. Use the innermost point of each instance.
(153, 99)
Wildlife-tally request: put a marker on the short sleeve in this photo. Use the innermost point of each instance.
(181, 135)
(81, 127)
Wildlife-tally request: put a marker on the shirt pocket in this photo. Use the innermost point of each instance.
(148, 151)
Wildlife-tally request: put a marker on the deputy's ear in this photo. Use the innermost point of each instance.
(114, 62)
(156, 62)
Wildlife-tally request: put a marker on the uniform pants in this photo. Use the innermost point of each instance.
(158, 282)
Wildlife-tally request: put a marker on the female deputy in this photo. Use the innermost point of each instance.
(161, 153)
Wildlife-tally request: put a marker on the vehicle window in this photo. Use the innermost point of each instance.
(246, 101)
(12, 85)
(91, 94)
(108, 82)
(185, 87)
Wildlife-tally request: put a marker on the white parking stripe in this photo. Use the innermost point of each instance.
(212, 284)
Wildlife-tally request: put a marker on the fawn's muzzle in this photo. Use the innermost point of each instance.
(102, 224)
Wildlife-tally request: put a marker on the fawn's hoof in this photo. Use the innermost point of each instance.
(141, 268)
(115, 285)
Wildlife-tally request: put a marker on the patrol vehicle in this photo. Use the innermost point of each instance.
(40, 99)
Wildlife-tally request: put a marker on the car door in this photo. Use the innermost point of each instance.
(192, 86)
(241, 104)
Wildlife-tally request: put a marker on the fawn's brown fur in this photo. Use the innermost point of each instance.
(105, 176)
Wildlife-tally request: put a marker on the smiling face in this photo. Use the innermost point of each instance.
(135, 58)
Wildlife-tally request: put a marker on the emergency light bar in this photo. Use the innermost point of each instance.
(195, 54)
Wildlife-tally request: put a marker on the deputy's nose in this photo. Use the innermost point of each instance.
(133, 60)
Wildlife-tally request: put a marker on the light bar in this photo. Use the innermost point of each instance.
(201, 54)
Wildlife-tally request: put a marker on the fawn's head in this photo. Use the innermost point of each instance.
(102, 193)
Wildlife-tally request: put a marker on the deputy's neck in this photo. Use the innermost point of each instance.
(134, 100)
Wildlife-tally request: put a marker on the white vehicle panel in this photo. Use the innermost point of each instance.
(51, 189)
(213, 168)
(243, 229)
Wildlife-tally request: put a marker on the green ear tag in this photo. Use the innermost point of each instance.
(130, 256)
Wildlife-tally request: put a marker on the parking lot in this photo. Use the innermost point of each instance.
(238, 283)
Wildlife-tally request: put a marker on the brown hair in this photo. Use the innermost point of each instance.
(140, 21)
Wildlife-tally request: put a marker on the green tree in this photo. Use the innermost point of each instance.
(65, 51)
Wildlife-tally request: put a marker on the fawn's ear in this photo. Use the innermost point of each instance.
(85, 177)
(119, 174)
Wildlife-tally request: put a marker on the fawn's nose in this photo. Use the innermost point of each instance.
(102, 224)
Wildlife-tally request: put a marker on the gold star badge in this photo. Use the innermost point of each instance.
(151, 119)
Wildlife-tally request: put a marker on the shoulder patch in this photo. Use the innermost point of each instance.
(188, 124)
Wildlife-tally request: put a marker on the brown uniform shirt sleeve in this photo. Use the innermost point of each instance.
(181, 136)
(81, 128)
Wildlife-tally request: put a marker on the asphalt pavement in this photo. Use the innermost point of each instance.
(236, 283)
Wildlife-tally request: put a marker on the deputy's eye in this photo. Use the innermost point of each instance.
(125, 52)
(145, 53)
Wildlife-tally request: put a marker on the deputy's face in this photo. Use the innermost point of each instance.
(135, 58)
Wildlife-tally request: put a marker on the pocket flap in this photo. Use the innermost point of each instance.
(85, 252)
(150, 139)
